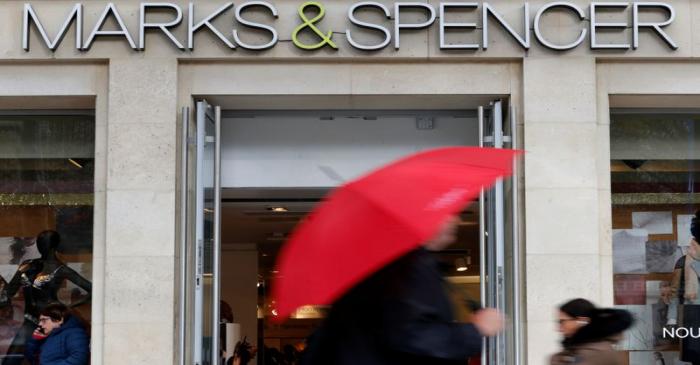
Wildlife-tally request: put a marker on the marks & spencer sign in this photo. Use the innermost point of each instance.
(312, 33)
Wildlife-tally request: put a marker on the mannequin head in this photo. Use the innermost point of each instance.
(695, 226)
(47, 242)
(573, 315)
(445, 236)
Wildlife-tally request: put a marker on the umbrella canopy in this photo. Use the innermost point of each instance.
(371, 221)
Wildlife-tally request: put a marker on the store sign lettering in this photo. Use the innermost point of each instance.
(681, 332)
(311, 13)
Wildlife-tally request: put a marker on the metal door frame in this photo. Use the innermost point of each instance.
(492, 240)
(193, 285)
(192, 245)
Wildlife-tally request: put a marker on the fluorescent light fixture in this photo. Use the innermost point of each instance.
(75, 163)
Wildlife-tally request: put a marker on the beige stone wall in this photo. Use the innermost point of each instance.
(140, 241)
(563, 101)
(561, 190)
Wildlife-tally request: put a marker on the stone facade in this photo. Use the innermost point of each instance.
(563, 101)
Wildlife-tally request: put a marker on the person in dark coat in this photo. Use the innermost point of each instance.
(401, 315)
(60, 340)
(590, 333)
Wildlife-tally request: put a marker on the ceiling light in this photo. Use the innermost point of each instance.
(461, 264)
(279, 209)
(75, 163)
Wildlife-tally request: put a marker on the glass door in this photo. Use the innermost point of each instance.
(199, 316)
(500, 249)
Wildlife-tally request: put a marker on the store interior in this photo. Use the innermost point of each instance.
(255, 225)
(308, 155)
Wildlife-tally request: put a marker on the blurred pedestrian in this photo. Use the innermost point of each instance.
(590, 333)
(402, 314)
(659, 358)
(243, 352)
(61, 339)
(291, 355)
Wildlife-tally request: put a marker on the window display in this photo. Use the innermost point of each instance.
(46, 222)
(655, 166)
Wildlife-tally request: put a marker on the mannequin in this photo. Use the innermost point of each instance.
(686, 300)
(40, 280)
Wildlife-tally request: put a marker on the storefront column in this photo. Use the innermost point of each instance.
(140, 211)
(563, 258)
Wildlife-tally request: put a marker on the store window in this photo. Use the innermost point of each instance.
(655, 177)
(46, 222)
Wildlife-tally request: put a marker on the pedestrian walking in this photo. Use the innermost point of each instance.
(402, 315)
(365, 250)
(590, 333)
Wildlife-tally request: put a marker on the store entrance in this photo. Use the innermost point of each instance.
(255, 174)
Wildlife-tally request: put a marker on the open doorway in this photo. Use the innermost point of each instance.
(275, 166)
(266, 217)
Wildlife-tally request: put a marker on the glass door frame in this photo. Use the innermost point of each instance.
(196, 206)
(500, 251)
(494, 234)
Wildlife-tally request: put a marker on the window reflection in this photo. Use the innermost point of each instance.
(46, 185)
(655, 165)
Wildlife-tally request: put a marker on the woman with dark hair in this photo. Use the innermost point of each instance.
(60, 339)
(590, 333)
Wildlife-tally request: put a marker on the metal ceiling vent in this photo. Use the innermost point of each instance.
(425, 123)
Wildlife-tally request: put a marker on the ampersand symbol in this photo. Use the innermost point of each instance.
(325, 38)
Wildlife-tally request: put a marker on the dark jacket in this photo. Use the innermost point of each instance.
(593, 344)
(400, 315)
(65, 345)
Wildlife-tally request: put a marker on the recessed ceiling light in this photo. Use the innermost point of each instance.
(279, 209)
(461, 264)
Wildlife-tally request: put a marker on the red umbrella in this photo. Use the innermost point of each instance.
(369, 222)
